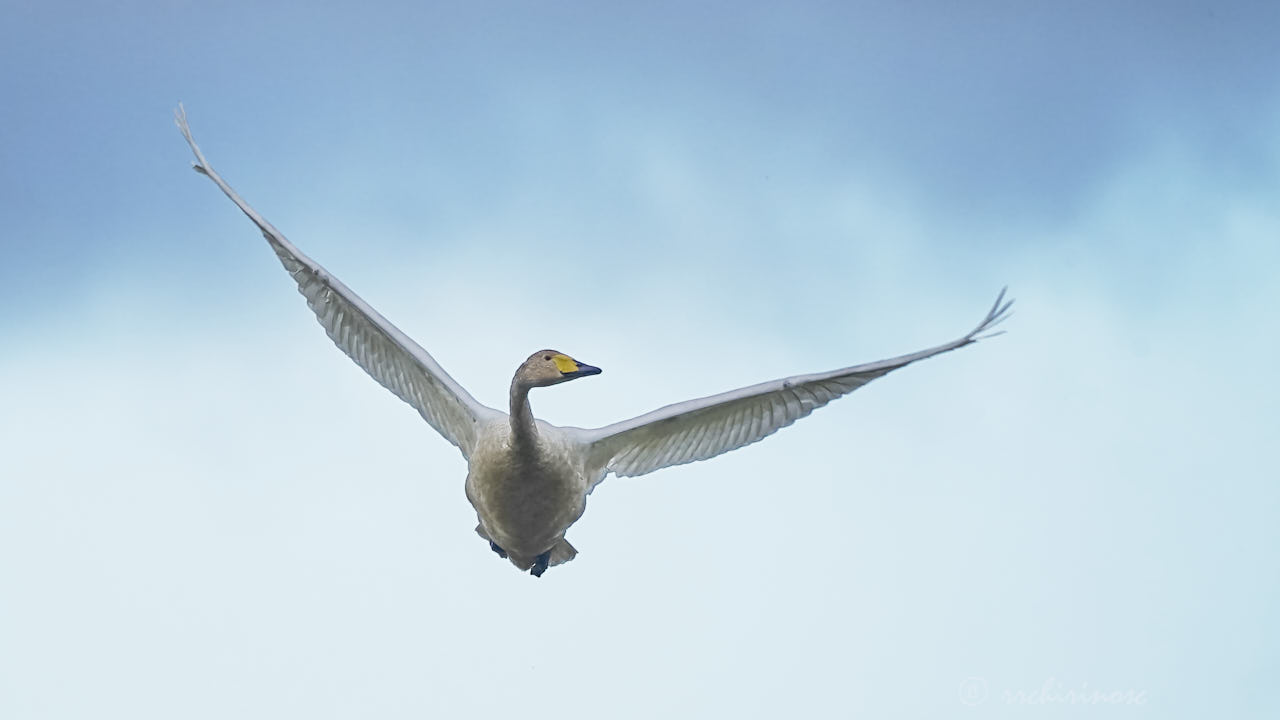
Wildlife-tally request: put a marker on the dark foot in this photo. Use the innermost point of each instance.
(540, 564)
(494, 547)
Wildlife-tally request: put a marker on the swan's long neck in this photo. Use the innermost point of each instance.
(523, 431)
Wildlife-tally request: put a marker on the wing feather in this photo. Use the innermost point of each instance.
(704, 428)
(388, 355)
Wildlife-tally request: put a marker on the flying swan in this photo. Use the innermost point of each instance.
(529, 480)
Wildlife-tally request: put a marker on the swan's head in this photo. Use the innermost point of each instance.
(548, 367)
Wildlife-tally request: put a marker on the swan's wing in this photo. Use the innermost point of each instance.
(707, 427)
(388, 355)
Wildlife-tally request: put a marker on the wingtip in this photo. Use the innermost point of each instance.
(998, 313)
(180, 119)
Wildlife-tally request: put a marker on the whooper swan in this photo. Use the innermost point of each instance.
(529, 480)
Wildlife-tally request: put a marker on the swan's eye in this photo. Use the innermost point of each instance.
(546, 357)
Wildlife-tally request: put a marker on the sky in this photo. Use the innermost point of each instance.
(206, 511)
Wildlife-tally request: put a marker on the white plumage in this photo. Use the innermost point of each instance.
(528, 480)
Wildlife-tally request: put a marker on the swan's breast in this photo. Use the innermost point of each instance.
(525, 497)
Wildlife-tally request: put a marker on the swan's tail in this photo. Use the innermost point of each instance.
(561, 553)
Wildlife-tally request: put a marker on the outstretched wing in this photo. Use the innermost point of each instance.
(388, 355)
(707, 427)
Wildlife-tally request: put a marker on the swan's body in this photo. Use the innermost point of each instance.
(529, 480)
(526, 497)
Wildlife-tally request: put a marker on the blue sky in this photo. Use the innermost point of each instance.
(207, 511)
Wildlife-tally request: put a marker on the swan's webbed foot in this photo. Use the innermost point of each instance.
(494, 547)
(540, 564)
